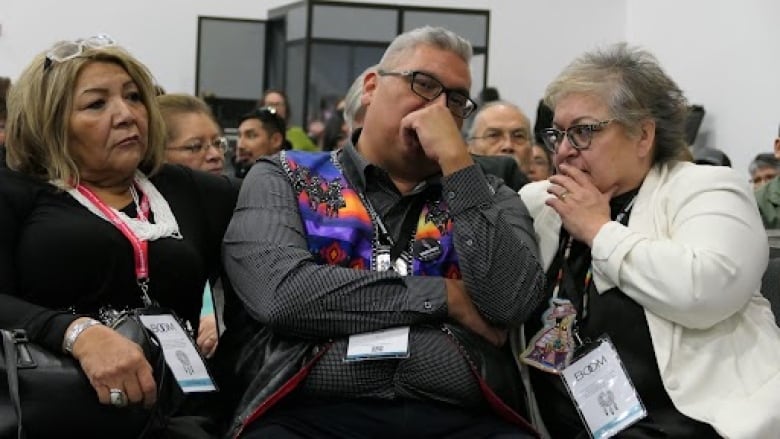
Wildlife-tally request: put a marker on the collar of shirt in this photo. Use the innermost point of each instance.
(359, 171)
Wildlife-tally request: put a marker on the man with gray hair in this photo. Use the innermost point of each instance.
(354, 110)
(378, 284)
(504, 167)
(762, 169)
(501, 128)
(768, 196)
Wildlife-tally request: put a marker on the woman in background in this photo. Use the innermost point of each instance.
(541, 167)
(194, 138)
(295, 135)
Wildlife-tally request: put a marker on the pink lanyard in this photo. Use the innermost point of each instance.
(140, 247)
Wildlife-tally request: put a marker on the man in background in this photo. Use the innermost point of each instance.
(501, 128)
(768, 196)
(260, 133)
(762, 169)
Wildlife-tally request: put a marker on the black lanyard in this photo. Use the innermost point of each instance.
(565, 248)
(407, 227)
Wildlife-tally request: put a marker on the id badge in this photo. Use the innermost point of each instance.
(602, 391)
(379, 345)
(180, 353)
(383, 262)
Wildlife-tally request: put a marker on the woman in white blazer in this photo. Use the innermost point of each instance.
(663, 256)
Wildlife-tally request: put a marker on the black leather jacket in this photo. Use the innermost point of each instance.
(258, 368)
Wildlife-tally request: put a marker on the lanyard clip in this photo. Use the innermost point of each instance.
(577, 338)
(143, 284)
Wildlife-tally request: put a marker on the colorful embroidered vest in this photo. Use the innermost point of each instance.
(340, 230)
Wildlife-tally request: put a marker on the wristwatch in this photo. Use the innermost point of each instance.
(74, 332)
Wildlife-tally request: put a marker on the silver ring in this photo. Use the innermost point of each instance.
(118, 398)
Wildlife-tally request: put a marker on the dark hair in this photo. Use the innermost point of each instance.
(333, 136)
(763, 160)
(489, 94)
(5, 84)
(710, 156)
(271, 121)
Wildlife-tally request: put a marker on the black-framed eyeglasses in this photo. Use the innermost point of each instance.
(579, 135)
(430, 88)
(66, 50)
(196, 147)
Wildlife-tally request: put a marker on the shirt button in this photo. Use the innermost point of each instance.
(427, 305)
(469, 242)
(451, 195)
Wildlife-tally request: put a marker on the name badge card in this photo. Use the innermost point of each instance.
(603, 392)
(180, 353)
(379, 345)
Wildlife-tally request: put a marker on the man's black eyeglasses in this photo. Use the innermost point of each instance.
(579, 136)
(430, 88)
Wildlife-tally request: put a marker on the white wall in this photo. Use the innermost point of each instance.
(723, 53)
(162, 33)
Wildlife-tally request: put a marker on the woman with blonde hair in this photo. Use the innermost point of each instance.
(194, 138)
(91, 218)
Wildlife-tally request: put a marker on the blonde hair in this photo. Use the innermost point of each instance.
(40, 105)
(175, 104)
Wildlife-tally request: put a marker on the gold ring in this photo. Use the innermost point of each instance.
(563, 195)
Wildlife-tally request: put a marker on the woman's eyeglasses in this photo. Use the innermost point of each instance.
(67, 50)
(579, 136)
(220, 143)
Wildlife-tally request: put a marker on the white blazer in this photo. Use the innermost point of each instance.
(693, 255)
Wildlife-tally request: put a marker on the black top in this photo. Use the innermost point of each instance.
(617, 315)
(56, 255)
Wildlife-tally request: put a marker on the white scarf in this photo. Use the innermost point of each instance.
(164, 226)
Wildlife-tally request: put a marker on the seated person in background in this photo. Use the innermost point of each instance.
(541, 167)
(336, 132)
(676, 253)
(768, 197)
(500, 128)
(260, 133)
(100, 159)
(295, 135)
(399, 232)
(194, 138)
(762, 169)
